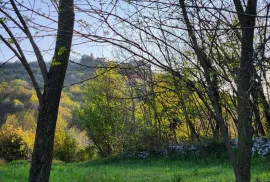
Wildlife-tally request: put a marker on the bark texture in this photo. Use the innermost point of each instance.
(48, 111)
(245, 86)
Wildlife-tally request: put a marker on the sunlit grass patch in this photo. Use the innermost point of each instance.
(151, 169)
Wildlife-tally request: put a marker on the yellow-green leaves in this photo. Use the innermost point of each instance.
(55, 62)
(11, 41)
(61, 51)
(2, 20)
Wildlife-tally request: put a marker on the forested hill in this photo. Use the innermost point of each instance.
(75, 72)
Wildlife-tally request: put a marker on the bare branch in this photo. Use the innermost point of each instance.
(39, 56)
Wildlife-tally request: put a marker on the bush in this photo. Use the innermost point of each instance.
(12, 146)
(67, 150)
(57, 162)
(87, 153)
(215, 148)
(18, 163)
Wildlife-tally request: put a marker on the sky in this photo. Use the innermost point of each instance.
(44, 42)
(48, 42)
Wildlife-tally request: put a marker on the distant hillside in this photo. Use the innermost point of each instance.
(75, 72)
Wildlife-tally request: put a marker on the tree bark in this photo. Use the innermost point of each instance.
(48, 111)
(245, 84)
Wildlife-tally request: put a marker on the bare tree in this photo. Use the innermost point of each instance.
(245, 83)
(53, 79)
(166, 33)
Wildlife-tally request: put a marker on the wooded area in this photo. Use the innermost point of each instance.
(182, 71)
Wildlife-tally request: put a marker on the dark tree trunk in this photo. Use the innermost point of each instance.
(245, 84)
(44, 141)
(217, 97)
(42, 155)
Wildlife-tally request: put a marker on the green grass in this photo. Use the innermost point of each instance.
(152, 169)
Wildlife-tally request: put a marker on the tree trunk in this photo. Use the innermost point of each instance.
(245, 84)
(42, 155)
(216, 95)
(212, 86)
(48, 111)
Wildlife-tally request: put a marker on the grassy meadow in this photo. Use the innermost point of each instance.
(151, 169)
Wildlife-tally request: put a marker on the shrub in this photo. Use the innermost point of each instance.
(215, 148)
(87, 153)
(57, 162)
(67, 150)
(18, 163)
(12, 146)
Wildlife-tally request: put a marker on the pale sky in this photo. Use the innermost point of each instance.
(48, 42)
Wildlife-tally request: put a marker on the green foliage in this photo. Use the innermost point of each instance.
(67, 150)
(2, 20)
(18, 163)
(101, 114)
(61, 51)
(216, 149)
(20, 122)
(87, 153)
(55, 62)
(12, 146)
(11, 41)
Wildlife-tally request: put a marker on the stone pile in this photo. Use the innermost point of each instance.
(261, 146)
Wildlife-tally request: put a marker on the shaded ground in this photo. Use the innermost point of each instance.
(152, 169)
